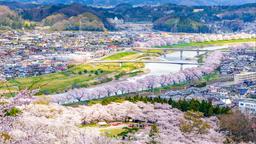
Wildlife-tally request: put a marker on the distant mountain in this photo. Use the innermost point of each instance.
(140, 2)
(18, 5)
(39, 13)
(212, 2)
(86, 21)
(180, 25)
(54, 13)
(166, 17)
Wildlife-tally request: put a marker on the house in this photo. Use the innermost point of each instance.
(102, 123)
(248, 105)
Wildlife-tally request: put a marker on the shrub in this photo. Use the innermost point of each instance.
(13, 112)
(111, 99)
(42, 101)
(153, 134)
(70, 66)
(100, 71)
(127, 131)
(5, 136)
(201, 84)
(97, 72)
(45, 92)
(75, 85)
(193, 122)
(80, 72)
(185, 127)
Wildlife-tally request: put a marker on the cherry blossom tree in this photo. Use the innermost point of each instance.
(147, 83)
(9, 112)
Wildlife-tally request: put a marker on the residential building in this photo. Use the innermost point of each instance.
(248, 105)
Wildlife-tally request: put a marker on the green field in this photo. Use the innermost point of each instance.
(112, 132)
(210, 43)
(122, 55)
(83, 75)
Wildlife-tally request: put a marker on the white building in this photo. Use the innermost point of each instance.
(116, 20)
(198, 10)
(226, 100)
(238, 78)
(248, 105)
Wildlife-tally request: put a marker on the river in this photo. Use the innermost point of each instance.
(160, 69)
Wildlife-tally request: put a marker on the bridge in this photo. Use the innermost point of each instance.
(120, 62)
(197, 50)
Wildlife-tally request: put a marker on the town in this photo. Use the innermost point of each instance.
(142, 72)
(38, 52)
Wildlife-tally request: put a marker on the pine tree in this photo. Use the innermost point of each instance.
(210, 111)
(184, 105)
(170, 101)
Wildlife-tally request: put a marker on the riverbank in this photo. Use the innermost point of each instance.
(213, 77)
(210, 43)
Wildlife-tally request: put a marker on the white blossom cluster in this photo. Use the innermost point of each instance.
(171, 40)
(53, 123)
(149, 82)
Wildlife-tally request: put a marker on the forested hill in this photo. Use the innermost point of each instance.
(140, 2)
(166, 17)
(10, 18)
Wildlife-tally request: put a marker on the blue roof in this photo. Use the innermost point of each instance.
(242, 91)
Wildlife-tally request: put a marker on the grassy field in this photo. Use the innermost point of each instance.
(122, 56)
(210, 43)
(82, 75)
(112, 132)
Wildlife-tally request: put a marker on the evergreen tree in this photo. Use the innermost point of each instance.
(184, 105)
(210, 111)
(170, 102)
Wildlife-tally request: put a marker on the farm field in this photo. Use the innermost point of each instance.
(82, 75)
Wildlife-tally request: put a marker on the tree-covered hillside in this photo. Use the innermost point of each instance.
(86, 21)
(180, 25)
(140, 2)
(9, 19)
(166, 17)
